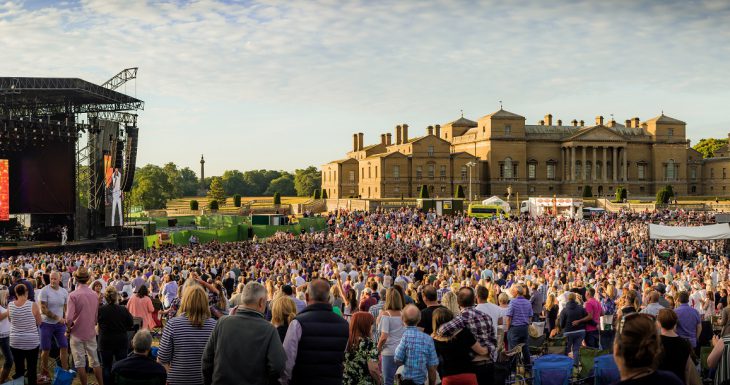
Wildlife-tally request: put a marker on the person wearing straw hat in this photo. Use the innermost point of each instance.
(81, 315)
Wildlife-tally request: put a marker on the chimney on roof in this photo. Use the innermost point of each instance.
(636, 122)
(360, 140)
(405, 133)
(354, 142)
(560, 122)
(628, 123)
(437, 130)
(582, 123)
(388, 139)
(382, 140)
(542, 122)
(599, 120)
(398, 135)
(429, 130)
(549, 119)
(574, 122)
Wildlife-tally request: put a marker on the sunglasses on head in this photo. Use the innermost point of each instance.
(629, 317)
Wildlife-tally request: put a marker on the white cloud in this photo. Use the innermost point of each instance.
(216, 73)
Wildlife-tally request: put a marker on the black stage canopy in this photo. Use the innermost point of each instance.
(39, 96)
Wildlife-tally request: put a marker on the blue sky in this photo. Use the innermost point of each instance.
(284, 84)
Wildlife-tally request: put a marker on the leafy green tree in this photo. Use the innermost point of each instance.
(216, 191)
(189, 182)
(284, 185)
(213, 204)
(151, 188)
(459, 191)
(259, 181)
(708, 146)
(277, 198)
(235, 183)
(587, 191)
(307, 180)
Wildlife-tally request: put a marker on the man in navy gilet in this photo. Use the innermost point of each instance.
(315, 341)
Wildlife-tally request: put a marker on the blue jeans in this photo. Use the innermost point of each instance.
(574, 340)
(389, 369)
(592, 339)
(518, 335)
(7, 354)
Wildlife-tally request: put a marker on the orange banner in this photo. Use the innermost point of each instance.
(4, 191)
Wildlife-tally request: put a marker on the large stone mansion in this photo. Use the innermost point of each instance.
(500, 152)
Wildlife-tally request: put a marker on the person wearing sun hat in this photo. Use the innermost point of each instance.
(81, 315)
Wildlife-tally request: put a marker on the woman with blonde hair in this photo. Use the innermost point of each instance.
(391, 329)
(551, 312)
(449, 301)
(283, 311)
(184, 338)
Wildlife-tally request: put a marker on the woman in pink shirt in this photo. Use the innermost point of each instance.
(140, 305)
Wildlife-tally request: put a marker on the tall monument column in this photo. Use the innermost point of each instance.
(202, 170)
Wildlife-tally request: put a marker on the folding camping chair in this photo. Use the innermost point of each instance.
(605, 371)
(552, 369)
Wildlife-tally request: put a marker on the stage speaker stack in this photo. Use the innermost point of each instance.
(130, 157)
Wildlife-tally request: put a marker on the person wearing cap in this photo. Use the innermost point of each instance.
(81, 315)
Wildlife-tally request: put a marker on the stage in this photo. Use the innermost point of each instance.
(28, 247)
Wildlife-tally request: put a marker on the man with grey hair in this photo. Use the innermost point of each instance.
(416, 350)
(244, 348)
(315, 341)
(139, 365)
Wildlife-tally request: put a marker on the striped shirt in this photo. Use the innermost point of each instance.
(182, 346)
(23, 328)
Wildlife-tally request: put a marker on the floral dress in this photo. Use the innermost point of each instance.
(356, 363)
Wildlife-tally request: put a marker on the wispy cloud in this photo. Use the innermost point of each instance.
(283, 84)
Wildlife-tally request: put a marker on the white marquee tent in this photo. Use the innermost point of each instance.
(495, 200)
(692, 233)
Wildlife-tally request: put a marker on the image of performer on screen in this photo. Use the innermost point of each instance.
(116, 197)
(64, 235)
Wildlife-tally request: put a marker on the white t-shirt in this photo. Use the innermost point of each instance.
(54, 300)
(4, 324)
(495, 313)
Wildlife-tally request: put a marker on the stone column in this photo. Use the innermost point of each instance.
(625, 163)
(583, 164)
(563, 164)
(604, 172)
(614, 163)
(593, 166)
(572, 163)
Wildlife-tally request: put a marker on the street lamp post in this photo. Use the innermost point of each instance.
(471, 164)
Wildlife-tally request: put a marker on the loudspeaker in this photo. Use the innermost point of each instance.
(130, 157)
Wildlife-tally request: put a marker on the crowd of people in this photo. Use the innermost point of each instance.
(397, 295)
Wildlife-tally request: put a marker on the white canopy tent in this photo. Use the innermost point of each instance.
(496, 201)
(691, 233)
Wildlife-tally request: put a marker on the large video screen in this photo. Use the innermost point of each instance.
(114, 195)
(41, 179)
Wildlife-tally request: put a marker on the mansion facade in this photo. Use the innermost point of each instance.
(500, 153)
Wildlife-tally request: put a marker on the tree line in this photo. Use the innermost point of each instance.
(154, 186)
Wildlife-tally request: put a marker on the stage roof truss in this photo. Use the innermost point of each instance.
(48, 96)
